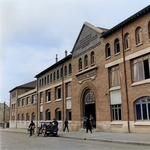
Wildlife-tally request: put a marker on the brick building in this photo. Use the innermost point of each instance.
(107, 75)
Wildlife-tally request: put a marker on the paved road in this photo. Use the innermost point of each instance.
(21, 141)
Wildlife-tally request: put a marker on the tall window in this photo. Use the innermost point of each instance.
(57, 74)
(33, 99)
(149, 30)
(40, 83)
(70, 69)
(48, 96)
(47, 79)
(126, 41)
(58, 92)
(107, 50)
(51, 78)
(117, 46)
(86, 61)
(48, 115)
(23, 102)
(41, 97)
(18, 116)
(92, 58)
(141, 68)
(142, 108)
(68, 88)
(22, 117)
(54, 76)
(138, 35)
(61, 72)
(41, 115)
(58, 114)
(68, 114)
(116, 112)
(33, 116)
(80, 64)
(65, 70)
(27, 100)
(27, 117)
(114, 76)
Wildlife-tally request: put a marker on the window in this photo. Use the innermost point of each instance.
(65, 70)
(58, 93)
(22, 117)
(19, 103)
(41, 115)
(51, 78)
(58, 114)
(33, 116)
(92, 58)
(23, 102)
(68, 89)
(116, 112)
(107, 50)
(18, 116)
(54, 76)
(27, 117)
(80, 64)
(86, 61)
(47, 79)
(48, 115)
(141, 68)
(48, 96)
(126, 41)
(13, 94)
(27, 100)
(61, 72)
(149, 30)
(33, 99)
(116, 46)
(142, 108)
(138, 35)
(69, 115)
(57, 74)
(41, 97)
(40, 83)
(114, 76)
(70, 69)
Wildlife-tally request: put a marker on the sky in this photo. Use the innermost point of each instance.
(32, 32)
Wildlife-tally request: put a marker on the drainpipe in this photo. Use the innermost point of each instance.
(62, 98)
(125, 74)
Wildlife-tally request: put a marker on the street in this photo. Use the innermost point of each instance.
(22, 141)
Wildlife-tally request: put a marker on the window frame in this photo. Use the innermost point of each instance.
(107, 51)
(138, 35)
(116, 46)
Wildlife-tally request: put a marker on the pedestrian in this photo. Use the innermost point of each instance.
(55, 122)
(91, 120)
(31, 127)
(88, 126)
(66, 125)
(84, 122)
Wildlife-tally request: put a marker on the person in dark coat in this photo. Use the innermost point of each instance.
(88, 126)
(66, 125)
(31, 126)
(55, 122)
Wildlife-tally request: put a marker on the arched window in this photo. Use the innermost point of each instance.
(70, 69)
(126, 41)
(149, 30)
(22, 117)
(61, 72)
(54, 76)
(40, 83)
(18, 116)
(116, 46)
(51, 78)
(57, 74)
(107, 50)
(58, 114)
(47, 79)
(65, 70)
(27, 117)
(86, 61)
(80, 64)
(142, 108)
(47, 115)
(33, 116)
(138, 35)
(92, 58)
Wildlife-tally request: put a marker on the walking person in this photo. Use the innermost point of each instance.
(66, 125)
(31, 126)
(91, 120)
(88, 126)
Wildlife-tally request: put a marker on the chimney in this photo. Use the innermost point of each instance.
(65, 53)
(56, 58)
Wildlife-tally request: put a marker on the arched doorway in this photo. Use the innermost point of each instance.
(89, 105)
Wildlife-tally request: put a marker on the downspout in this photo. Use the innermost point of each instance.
(125, 74)
(62, 97)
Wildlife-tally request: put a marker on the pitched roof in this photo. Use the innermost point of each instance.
(27, 85)
(127, 21)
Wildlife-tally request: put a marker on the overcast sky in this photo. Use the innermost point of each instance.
(32, 32)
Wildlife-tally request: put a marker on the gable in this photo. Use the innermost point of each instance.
(88, 38)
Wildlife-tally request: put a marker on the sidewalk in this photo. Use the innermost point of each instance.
(127, 138)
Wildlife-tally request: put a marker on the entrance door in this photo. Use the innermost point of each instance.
(89, 106)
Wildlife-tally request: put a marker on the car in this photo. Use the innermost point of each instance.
(48, 128)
